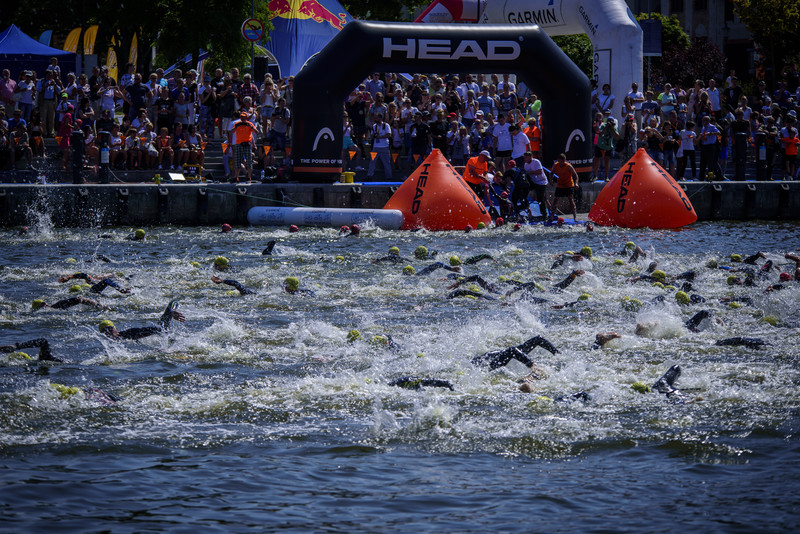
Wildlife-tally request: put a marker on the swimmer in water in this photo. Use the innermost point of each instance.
(477, 279)
(393, 257)
(739, 341)
(292, 286)
(99, 283)
(796, 259)
(585, 254)
(39, 343)
(602, 338)
(107, 327)
(416, 383)
(436, 266)
(63, 304)
(498, 358)
(268, 251)
(230, 282)
(472, 260)
(666, 384)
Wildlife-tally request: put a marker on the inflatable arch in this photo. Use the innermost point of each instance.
(364, 47)
(611, 27)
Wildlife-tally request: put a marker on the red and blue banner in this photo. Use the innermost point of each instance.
(302, 28)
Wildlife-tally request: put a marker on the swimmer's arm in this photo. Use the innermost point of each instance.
(479, 257)
(139, 333)
(39, 343)
(235, 284)
(751, 260)
(76, 276)
(568, 280)
(171, 312)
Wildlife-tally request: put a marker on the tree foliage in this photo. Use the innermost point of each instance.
(775, 25)
(175, 27)
(383, 10)
(683, 60)
(579, 49)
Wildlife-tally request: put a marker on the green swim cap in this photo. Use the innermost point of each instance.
(659, 285)
(455, 260)
(18, 356)
(736, 258)
(659, 275)
(682, 297)
(77, 288)
(291, 284)
(481, 225)
(587, 252)
(339, 258)
(221, 262)
(379, 340)
(70, 260)
(633, 305)
(139, 234)
(734, 305)
(409, 270)
(584, 296)
(640, 387)
(770, 320)
(630, 244)
(619, 262)
(65, 391)
(712, 264)
(732, 279)
(353, 335)
(105, 324)
(421, 252)
(195, 264)
(38, 303)
(394, 251)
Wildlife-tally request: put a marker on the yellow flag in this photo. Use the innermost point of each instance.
(111, 62)
(133, 55)
(71, 44)
(89, 37)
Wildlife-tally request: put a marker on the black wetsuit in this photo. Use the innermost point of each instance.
(478, 280)
(73, 301)
(738, 341)
(499, 358)
(472, 260)
(392, 258)
(413, 382)
(694, 323)
(268, 251)
(665, 384)
(238, 286)
(435, 266)
(146, 331)
(469, 293)
(39, 343)
(104, 283)
(564, 284)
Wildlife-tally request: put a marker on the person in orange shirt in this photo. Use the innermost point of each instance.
(241, 138)
(790, 143)
(475, 175)
(535, 137)
(566, 179)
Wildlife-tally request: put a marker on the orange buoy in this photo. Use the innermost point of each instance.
(642, 194)
(435, 197)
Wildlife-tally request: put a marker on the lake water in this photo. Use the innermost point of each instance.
(257, 413)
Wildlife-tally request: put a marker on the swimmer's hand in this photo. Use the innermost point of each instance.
(178, 316)
(578, 272)
(216, 279)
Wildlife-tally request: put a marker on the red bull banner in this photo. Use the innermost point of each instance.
(302, 28)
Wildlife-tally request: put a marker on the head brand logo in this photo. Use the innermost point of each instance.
(306, 9)
(445, 49)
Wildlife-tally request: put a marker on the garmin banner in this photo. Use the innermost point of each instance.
(365, 47)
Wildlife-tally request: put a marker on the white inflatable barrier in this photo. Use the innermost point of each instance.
(333, 217)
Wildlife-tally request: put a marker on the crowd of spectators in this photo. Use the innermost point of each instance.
(392, 122)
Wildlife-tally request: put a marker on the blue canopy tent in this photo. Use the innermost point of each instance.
(20, 52)
(302, 28)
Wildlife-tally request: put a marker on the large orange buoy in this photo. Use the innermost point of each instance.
(435, 197)
(642, 194)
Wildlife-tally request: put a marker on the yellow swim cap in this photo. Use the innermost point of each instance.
(682, 297)
(105, 324)
(77, 288)
(139, 234)
(353, 335)
(221, 262)
(630, 244)
(584, 296)
(409, 270)
(18, 356)
(659, 275)
(640, 387)
(736, 258)
(379, 340)
(394, 251)
(38, 303)
(587, 252)
(421, 252)
(291, 284)
(455, 261)
(619, 262)
(481, 225)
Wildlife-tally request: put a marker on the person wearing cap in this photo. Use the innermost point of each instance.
(475, 174)
(63, 304)
(566, 180)
(26, 88)
(240, 138)
(40, 343)
(381, 134)
(108, 328)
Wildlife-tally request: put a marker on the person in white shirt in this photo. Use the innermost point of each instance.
(502, 141)
(520, 144)
(381, 136)
(637, 98)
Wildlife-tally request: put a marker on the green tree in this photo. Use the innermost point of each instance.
(774, 25)
(579, 49)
